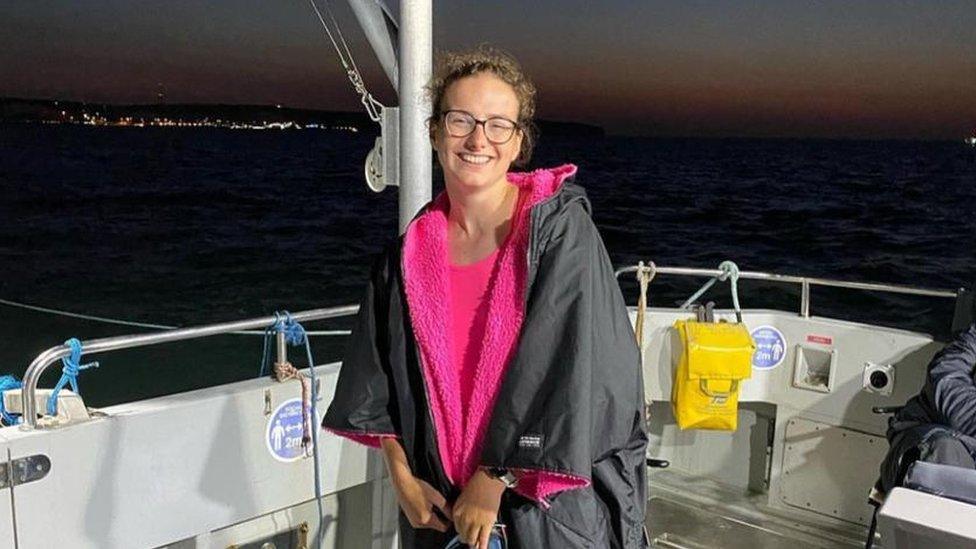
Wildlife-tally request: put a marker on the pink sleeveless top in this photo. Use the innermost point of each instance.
(469, 317)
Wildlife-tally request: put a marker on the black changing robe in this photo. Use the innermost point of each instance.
(571, 400)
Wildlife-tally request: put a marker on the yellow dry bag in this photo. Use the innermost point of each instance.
(715, 359)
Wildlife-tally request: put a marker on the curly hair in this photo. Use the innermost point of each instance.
(453, 66)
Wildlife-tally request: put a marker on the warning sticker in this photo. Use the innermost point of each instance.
(820, 339)
(770, 348)
(283, 433)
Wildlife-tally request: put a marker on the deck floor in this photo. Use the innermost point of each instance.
(689, 513)
(679, 525)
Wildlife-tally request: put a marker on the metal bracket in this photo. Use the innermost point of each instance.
(24, 470)
(382, 167)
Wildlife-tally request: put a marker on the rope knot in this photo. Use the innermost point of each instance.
(70, 368)
(294, 332)
(646, 272)
(729, 270)
(70, 364)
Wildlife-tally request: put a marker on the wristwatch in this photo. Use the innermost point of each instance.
(504, 475)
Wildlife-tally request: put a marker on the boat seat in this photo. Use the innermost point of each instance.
(948, 481)
(911, 519)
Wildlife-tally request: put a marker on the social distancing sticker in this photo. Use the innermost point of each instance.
(770, 348)
(283, 433)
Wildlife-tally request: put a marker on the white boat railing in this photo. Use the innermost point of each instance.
(102, 345)
(805, 282)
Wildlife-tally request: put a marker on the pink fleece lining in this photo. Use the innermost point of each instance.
(425, 270)
(373, 440)
(538, 484)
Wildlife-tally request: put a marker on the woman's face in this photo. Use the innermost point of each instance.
(474, 161)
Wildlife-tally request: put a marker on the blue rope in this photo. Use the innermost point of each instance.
(7, 383)
(295, 335)
(270, 331)
(69, 374)
(315, 428)
(294, 332)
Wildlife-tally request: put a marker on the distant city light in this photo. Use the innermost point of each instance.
(98, 119)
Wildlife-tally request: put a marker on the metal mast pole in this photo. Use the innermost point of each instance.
(375, 20)
(416, 44)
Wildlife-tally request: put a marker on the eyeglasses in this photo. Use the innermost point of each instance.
(497, 539)
(498, 129)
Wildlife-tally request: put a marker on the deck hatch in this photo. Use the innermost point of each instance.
(829, 470)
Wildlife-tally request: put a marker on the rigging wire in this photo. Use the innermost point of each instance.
(135, 324)
(372, 106)
(86, 317)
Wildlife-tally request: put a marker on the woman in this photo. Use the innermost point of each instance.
(493, 360)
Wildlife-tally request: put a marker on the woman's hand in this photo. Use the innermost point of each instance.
(417, 498)
(476, 510)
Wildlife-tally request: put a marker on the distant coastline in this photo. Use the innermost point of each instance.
(236, 117)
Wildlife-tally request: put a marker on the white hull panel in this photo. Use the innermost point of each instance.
(156, 472)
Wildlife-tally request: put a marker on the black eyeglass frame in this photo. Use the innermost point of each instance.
(516, 126)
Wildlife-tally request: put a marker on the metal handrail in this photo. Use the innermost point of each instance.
(28, 395)
(804, 281)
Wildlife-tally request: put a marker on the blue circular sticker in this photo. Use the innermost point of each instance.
(283, 434)
(770, 348)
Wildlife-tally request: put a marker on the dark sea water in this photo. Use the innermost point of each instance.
(188, 227)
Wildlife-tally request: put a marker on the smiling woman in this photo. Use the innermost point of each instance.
(493, 414)
(487, 62)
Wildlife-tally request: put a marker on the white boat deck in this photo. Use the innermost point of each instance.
(195, 470)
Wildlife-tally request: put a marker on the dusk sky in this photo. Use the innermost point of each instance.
(798, 68)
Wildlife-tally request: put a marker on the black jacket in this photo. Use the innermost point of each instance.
(949, 395)
(945, 405)
(573, 388)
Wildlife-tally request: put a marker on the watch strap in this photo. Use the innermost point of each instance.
(506, 476)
